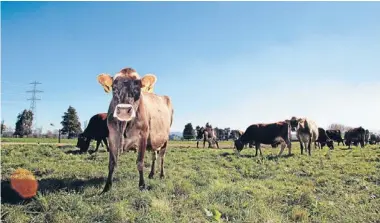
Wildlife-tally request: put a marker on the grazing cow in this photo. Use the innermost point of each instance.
(335, 135)
(199, 131)
(235, 134)
(374, 139)
(210, 135)
(97, 129)
(144, 117)
(323, 139)
(266, 134)
(355, 135)
(366, 137)
(306, 130)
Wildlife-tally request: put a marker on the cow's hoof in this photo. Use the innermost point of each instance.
(151, 176)
(162, 176)
(106, 189)
(142, 187)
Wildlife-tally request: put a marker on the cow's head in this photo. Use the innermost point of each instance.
(126, 87)
(83, 143)
(239, 145)
(330, 143)
(295, 123)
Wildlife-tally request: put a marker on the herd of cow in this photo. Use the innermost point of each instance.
(138, 119)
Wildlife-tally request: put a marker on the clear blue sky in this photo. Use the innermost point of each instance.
(229, 63)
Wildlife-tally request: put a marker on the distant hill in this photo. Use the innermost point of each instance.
(176, 133)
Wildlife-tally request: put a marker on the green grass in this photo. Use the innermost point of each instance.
(201, 185)
(41, 140)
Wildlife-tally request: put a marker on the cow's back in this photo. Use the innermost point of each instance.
(97, 126)
(159, 112)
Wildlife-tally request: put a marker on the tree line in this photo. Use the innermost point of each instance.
(23, 127)
(221, 133)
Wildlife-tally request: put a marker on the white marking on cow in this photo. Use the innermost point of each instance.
(124, 106)
(134, 74)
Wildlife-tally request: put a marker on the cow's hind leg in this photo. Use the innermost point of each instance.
(162, 157)
(217, 144)
(309, 146)
(152, 170)
(301, 146)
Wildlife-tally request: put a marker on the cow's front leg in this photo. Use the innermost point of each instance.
(106, 144)
(140, 161)
(258, 146)
(115, 142)
(301, 147)
(98, 141)
(152, 170)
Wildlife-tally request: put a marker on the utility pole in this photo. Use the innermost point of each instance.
(33, 101)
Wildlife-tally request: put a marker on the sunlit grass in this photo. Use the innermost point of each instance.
(201, 185)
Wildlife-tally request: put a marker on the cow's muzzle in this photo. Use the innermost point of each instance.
(124, 112)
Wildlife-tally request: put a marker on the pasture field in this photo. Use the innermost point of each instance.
(35, 140)
(201, 185)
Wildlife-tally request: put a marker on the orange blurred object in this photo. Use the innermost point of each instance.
(24, 183)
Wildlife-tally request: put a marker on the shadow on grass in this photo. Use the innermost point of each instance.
(75, 152)
(10, 196)
(346, 148)
(268, 157)
(65, 146)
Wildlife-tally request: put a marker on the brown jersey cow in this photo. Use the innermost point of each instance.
(143, 116)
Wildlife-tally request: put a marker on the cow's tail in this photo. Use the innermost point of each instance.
(171, 118)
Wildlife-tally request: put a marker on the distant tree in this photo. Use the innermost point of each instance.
(221, 134)
(49, 134)
(3, 127)
(188, 132)
(37, 132)
(341, 127)
(24, 123)
(70, 123)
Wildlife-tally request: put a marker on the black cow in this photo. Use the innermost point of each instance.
(374, 139)
(355, 135)
(269, 134)
(335, 135)
(97, 129)
(324, 139)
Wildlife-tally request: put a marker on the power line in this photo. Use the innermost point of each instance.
(33, 100)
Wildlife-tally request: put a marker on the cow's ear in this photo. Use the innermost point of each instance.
(148, 82)
(106, 81)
